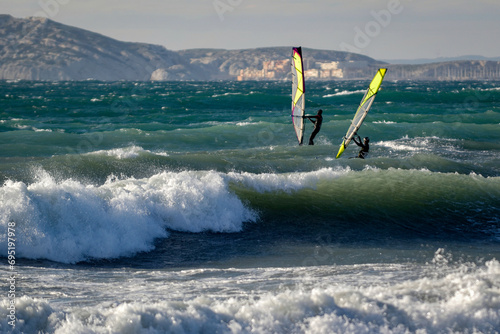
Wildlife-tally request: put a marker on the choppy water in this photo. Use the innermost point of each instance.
(189, 207)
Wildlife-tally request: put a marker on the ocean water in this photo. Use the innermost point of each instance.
(189, 207)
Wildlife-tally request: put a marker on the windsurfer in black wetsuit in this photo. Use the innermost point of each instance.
(365, 147)
(317, 125)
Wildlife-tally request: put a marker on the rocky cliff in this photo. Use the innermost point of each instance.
(41, 49)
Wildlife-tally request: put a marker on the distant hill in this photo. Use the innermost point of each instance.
(41, 49)
(230, 64)
(420, 61)
(452, 70)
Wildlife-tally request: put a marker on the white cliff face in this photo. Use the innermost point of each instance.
(160, 74)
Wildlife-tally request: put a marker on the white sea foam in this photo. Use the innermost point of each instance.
(432, 298)
(418, 144)
(489, 89)
(68, 221)
(268, 182)
(22, 127)
(401, 146)
(122, 153)
(384, 122)
(127, 152)
(344, 92)
(228, 94)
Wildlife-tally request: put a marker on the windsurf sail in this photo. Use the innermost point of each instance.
(363, 108)
(298, 90)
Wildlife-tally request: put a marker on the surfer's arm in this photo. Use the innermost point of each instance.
(311, 118)
(356, 141)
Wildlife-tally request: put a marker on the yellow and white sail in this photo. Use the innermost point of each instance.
(298, 90)
(363, 109)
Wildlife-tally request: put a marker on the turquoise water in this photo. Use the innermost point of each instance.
(190, 207)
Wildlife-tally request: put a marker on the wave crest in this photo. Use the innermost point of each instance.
(69, 221)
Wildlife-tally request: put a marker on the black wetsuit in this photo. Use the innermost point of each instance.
(364, 147)
(317, 126)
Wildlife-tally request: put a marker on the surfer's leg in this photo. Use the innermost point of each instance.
(313, 134)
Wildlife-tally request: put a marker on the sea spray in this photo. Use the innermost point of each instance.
(365, 298)
(198, 210)
(69, 221)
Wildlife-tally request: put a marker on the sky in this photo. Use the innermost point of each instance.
(381, 29)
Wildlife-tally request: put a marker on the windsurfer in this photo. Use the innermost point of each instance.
(365, 147)
(318, 119)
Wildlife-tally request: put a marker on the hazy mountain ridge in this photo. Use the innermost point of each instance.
(230, 63)
(42, 49)
(421, 61)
